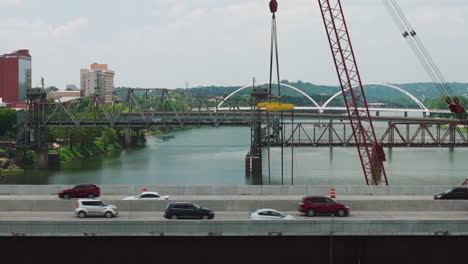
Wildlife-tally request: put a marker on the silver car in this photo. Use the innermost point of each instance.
(94, 207)
(269, 214)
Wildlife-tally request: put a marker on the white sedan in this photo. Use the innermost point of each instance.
(148, 196)
(269, 214)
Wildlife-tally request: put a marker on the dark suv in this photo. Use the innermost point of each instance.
(187, 210)
(454, 193)
(81, 191)
(314, 205)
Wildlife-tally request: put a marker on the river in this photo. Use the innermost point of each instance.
(204, 156)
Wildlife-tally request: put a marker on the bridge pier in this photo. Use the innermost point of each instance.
(128, 137)
(43, 158)
(253, 158)
(253, 168)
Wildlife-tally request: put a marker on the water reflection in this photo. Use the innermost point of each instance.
(206, 156)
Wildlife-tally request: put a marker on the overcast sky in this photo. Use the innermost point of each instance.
(164, 43)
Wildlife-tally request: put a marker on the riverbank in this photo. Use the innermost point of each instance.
(9, 168)
(98, 147)
(85, 151)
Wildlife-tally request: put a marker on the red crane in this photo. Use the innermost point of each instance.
(370, 152)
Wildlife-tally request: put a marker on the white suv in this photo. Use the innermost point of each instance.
(92, 207)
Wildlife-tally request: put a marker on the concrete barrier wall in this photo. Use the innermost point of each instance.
(60, 205)
(235, 228)
(235, 189)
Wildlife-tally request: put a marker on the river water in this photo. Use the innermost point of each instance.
(204, 156)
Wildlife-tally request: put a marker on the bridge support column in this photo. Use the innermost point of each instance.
(253, 159)
(128, 137)
(253, 167)
(40, 135)
(43, 158)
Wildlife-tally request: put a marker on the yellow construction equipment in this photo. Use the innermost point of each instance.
(274, 106)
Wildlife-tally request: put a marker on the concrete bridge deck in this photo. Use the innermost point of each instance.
(239, 190)
(14, 203)
(376, 211)
(237, 224)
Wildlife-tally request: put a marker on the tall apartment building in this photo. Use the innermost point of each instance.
(98, 80)
(15, 78)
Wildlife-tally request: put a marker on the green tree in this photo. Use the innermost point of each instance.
(52, 89)
(109, 136)
(7, 122)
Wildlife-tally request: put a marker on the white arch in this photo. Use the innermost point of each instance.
(281, 84)
(419, 103)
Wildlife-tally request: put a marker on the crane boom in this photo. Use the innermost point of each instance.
(370, 152)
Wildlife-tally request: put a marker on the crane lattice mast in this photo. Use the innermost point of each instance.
(370, 152)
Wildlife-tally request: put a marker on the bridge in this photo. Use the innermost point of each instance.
(383, 219)
(35, 210)
(156, 107)
(325, 106)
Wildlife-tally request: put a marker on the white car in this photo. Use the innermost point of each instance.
(92, 207)
(148, 196)
(269, 214)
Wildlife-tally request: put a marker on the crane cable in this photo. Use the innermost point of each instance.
(422, 54)
(406, 30)
(423, 49)
(274, 46)
(274, 56)
(420, 45)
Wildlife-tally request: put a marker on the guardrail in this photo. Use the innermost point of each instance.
(235, 189)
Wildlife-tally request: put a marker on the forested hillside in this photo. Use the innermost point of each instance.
(425, 92)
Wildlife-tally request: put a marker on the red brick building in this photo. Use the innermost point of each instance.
(15, 78)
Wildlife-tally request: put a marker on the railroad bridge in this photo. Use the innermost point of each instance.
(312, 126)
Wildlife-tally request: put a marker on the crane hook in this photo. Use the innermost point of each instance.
(273, 6)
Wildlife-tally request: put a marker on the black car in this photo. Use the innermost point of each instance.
(187, 210)
(454, 193)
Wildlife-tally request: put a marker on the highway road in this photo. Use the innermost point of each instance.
(237, 216)
(233, 197)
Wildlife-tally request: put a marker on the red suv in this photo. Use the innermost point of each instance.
(314, 205)
(81, 191)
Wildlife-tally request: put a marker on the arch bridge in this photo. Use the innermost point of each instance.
(325, 107)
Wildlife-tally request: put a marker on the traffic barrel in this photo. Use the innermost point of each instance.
(332, 193)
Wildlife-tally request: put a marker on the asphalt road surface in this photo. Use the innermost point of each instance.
(228, 216)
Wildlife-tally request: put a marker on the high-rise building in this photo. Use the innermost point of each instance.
(15, 77)
(98, 80)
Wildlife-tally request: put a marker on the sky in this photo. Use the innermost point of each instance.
(166, 43)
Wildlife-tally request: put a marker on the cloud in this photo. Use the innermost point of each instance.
(429, 14)
(69, 28)
(34, 30)
(163, 43)
(10, 2)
